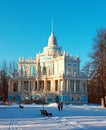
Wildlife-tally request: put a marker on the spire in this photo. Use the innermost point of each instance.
(52, 27)
(52, 39)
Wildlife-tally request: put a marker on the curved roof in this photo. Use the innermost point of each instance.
(52, 40)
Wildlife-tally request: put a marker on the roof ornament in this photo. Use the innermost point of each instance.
(52, 39)
(52, 27)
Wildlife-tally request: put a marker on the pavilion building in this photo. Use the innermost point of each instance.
(52, 76)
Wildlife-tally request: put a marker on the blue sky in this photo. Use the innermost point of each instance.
(25, 26)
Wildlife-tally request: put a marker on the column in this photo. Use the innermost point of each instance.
(52, 85)
(81, 86)
(45, 85)
(74, 85)
(37, 85)
(29, 86)
(59, 86)
(33, 85)
(19, 70)
(63, 85)
(68, 85)
(9, 88)
(19, 86)
(61, 82)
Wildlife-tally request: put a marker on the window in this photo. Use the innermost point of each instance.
(21, 70)
(56, 85)
(14, 98)
(26, 85)
(69, 71)
(48, 85)
(77, 85)
(84, 87)
(35, 85)
(25, 73)
(72, 98)
(15, 87)
(65, 87)
(78, 98)
(34, 70)
(44, 70)
(74, 65)
(72, 85)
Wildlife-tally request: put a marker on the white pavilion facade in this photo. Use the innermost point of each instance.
(52, 76)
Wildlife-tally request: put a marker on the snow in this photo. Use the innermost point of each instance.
(72, 117)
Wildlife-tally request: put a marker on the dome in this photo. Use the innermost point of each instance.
(52, 40)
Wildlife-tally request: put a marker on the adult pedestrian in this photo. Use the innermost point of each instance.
(61, 106)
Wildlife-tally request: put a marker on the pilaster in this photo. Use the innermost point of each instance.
(74, 85)
(19, 86)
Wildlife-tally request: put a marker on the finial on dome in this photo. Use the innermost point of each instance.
(52, 27)
(52, 39)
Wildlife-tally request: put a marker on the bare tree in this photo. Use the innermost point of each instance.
(13, 69)
(4, 80)
(98, 64)
(86, 70)
(5, 71)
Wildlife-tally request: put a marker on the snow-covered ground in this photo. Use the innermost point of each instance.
(89, 117)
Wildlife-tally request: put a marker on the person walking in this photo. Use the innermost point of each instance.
(61, 106)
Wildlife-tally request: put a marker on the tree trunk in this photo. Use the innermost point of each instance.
(103, 102)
